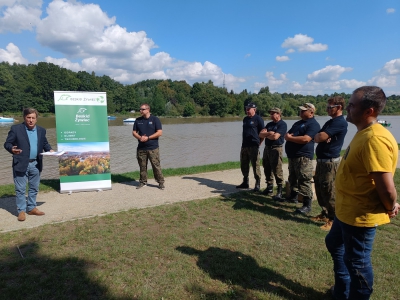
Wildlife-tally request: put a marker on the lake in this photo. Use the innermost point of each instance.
(185, 142)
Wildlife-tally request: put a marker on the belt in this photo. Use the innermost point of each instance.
(273, 146)
(32, 160)
(324, 160)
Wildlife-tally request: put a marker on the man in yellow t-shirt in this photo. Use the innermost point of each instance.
(365, 195)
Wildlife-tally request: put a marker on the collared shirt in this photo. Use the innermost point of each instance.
(33, 141)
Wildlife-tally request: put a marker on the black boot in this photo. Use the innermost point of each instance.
(278, 195)
(292, 198)
(269, 189)
(244, 184)
(257, 186)
(306, 206)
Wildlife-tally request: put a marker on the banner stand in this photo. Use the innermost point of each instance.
(82, 132)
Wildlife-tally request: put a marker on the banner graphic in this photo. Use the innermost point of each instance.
(82, 133)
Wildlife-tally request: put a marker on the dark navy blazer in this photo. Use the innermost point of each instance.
(17, 136)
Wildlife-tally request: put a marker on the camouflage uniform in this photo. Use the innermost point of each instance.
(272, 163)
(324, 179)
(250, 155)
(300, 175)
(154, 157)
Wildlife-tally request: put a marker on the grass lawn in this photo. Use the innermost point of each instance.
(244, 246)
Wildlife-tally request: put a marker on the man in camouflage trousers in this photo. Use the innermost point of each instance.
(147, 129)
(300, 152)
(249, 153)
(274, 133)
(330, 140)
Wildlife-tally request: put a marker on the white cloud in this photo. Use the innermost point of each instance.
(12, 54)
(19, 15)
(329, 73)
(328, 80)
(273, 82)
(303, 43)
(63, 62)
(290, 51)
(247, 55)
(196, 71)
(282, 58)
(388, 75)
(383, 81)
(392, 67)
(390, 10)
(84, 31)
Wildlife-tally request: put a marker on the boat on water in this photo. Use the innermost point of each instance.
(384, 123)
(111, 117)
(6, 120)
(130, 120)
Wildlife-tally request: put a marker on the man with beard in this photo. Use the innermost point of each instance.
(300, 152)
(366, 196)
(330, 140)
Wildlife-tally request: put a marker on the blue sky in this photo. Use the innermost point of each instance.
(307, 47)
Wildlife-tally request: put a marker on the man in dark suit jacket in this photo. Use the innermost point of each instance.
(25, 142)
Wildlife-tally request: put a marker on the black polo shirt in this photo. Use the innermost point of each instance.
(309, 127)
(251, 129)
(278, 127)
(336, 128)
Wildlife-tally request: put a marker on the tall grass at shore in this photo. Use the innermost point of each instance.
(242, 246)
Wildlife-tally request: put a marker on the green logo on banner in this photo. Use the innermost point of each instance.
(100, 99)
(64, 97)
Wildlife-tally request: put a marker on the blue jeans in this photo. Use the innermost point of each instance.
(32, 175)
(350, 248)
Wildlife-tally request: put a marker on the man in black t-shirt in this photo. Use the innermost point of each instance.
(274, 133)
(330, 140)
(147, 129)
(249, 153)
(300, 152)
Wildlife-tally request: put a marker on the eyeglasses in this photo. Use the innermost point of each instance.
(142, 109)
(331, 106)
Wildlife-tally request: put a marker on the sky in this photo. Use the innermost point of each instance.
(303, 47)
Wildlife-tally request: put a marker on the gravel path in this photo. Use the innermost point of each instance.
(123, 196)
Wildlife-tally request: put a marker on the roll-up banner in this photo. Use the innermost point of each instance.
(82, 132)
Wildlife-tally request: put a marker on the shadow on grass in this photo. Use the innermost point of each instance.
(122, 178)
(218, 186)
(51, 183)
(40, 277)
(244, 276)
(265, 205)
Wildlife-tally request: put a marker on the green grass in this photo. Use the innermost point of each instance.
(244, 246)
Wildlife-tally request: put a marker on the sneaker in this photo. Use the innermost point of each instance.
(161, 186)
(327, 226)
(140, 185)
(320, 218)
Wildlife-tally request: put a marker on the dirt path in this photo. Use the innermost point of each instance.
(123, 196)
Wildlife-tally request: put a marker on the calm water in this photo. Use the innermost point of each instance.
(185, 143)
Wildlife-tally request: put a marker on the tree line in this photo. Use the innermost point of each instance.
(33, 86)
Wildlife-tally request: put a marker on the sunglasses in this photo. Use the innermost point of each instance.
(142, 109)
(331, 106)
